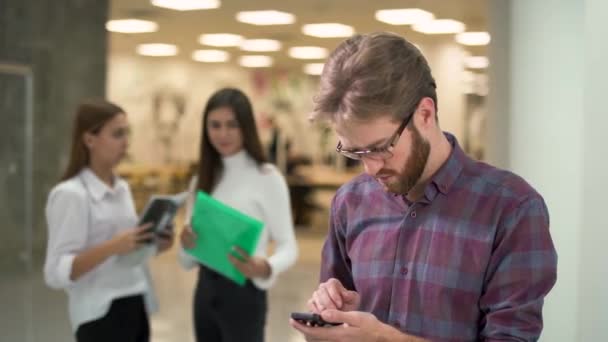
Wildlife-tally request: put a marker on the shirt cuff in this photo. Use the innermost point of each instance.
(187, 261)
(64, 270)
(266, 283)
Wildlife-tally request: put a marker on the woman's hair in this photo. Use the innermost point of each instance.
(210, 162)
(91, 116)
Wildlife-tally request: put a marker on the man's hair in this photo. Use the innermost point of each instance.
(372, 74)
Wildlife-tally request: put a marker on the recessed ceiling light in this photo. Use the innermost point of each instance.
(328, 30)
(157, 50)
(313, 68)
(270, 17)
(260, 45)
(131, 26)
(473, 38)
(308, 52)
(476, 62)
(255, 61)
(439, 26)
(403, 16)
(220, 39)
(210, 56)
(186, 5)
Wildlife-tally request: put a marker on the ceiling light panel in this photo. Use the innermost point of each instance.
(328, 30)
(220, 39)
(186, 5)
(269, 17)
(157, 50)
(308, 52)
(403, 16)
(131, 26)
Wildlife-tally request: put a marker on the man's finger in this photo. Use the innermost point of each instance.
(312, 306)
(316, 333)
(326, 299)
(352, 318)
(335, 294)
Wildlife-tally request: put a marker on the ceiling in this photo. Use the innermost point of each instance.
(184, 28)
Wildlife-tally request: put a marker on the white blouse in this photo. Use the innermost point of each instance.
(262, 193)
(82, 212)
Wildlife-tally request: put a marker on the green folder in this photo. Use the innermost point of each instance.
(218, 228)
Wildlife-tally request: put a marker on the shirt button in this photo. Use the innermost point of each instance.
(413, 214)
(404, 270)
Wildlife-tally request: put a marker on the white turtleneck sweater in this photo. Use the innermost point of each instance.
(262, 193)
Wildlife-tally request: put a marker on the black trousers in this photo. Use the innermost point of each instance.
(227, 312)
(126, 321)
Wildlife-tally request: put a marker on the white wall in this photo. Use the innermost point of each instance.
(446, 60)
(553, 73)
(546, 136)
(593, 318)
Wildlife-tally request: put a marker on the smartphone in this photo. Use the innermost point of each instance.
(311, 319)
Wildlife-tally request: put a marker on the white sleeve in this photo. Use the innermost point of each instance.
(67, 220)
(276, 207)
(185, 259)
(190, 201)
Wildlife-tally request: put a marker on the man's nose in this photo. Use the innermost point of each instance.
(372, 166)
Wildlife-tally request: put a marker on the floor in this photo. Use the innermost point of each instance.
(30, 312)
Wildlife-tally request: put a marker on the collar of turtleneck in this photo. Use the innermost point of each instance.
(236, 160)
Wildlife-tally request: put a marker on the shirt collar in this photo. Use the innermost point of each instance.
(97, 188)
(448, 173)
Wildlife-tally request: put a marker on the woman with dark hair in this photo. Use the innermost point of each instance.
(91, 220)
(233, 169)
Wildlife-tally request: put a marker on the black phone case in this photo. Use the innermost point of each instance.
(311, 319)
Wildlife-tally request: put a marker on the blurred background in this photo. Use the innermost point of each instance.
(520, 84)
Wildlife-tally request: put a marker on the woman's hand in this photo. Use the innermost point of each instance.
(187, 237)
(250, 266)
(131, 239)
(165, 239)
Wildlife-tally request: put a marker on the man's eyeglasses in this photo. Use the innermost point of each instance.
(378, 153)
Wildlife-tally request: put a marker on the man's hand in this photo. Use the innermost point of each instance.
(358, 327)
(333, 295)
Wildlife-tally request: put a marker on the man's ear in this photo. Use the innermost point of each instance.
(426, 110)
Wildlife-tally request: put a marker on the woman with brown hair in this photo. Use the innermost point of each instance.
(233, 169)
(91, 220)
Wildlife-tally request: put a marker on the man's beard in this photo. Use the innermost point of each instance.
(413, 166)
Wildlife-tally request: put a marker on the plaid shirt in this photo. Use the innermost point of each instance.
(471, 260)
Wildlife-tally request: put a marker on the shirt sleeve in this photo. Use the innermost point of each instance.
(190, 200)
(335, 260)
(276, 207)
(185, 260)
(67, 221)
(521, 271)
